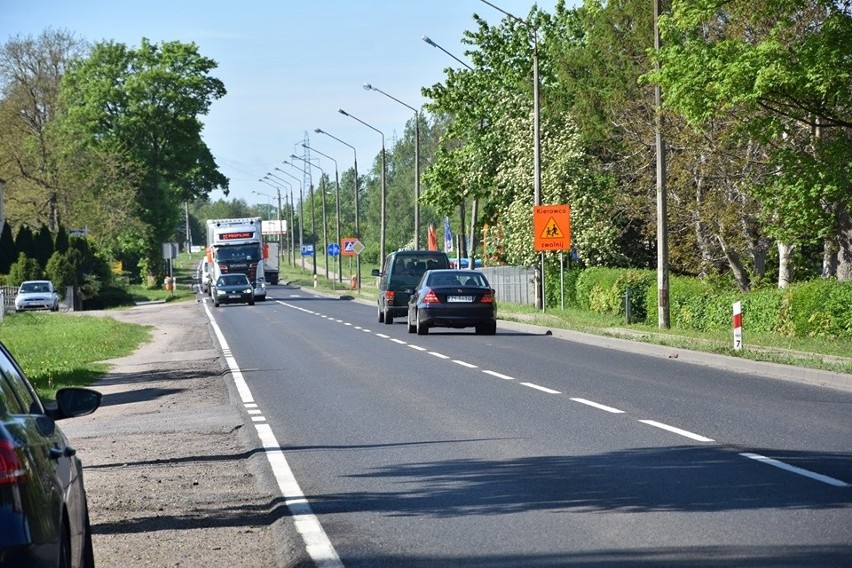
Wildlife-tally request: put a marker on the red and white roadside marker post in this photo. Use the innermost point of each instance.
(738, 326)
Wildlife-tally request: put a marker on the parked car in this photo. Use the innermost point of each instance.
(400, 273)
(233, 288)
(44, 516)
(37, 295)
(452, 298)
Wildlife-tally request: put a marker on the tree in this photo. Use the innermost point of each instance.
(25, 268)
(782, 69)
(31, 71)
(148, 103)
(24, 241)
(7, 248)
(42, 245)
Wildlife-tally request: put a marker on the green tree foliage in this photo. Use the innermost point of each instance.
(24, 241)
(60, 271)
(25, 268)
(43, 245)
(147, 102)
(781, 69)
(31, 70)
(7, 248)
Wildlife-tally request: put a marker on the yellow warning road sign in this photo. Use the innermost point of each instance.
(552, 227)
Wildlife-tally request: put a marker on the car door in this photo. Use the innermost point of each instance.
(43, 449)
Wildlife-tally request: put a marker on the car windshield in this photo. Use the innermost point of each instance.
(457, 278)
(233, 280)
(28, 287)
(250, 253)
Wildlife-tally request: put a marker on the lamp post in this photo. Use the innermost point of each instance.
(663, 317)
(357, 208)
(337, 205)
(268, 202)
(313, 217)
(383, 196)
(280, 231)
(301, 214)
(539, 299)
(369, 87)
(474, 210)
(324, 220)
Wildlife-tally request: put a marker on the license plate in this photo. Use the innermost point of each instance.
(459, 298)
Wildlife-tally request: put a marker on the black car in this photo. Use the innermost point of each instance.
(400, 272)
(233, 288)
(44, 517)
(452, 298)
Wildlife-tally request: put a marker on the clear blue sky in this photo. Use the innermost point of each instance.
(287, 65)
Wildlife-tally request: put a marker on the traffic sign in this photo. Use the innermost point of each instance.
(552, 227)
(307, 250)
(351, 246)
(333, 249)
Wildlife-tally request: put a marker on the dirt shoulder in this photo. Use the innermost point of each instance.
(172, 468)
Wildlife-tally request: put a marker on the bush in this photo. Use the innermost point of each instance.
(818, 308)
(24, 269)
(602, 290)
(109, 297)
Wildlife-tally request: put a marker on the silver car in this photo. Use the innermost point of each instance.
(37, 295)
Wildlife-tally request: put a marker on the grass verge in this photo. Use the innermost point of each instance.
(57, 350)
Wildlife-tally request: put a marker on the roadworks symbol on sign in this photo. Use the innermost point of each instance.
(552, 230)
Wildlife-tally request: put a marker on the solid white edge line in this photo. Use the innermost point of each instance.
(796, 470)
(598, 406)
(498, 375)
(541, 388)
(317, 544)
(686, 433)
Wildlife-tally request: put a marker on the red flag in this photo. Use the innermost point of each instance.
(433, 238)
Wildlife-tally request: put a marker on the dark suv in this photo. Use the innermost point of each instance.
(400, 273)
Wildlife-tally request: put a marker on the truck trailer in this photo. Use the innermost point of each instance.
(236, 245)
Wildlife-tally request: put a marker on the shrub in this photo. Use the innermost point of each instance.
(24, 268)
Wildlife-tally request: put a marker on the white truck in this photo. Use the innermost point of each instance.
(235, 245)
(271, 258)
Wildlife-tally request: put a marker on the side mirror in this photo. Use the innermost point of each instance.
(375, 272)
(75, 401)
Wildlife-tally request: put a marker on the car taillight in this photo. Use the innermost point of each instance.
(389, 296)
(431, 298)
(11, 469)
(487, 298)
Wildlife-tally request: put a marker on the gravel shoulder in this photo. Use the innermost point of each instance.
(173, 471)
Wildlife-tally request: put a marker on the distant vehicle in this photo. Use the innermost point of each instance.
(400, 273)
(233, 288)
(271, 258)
(452, 298)
(44, 516)
(37, 295)
(235, 246)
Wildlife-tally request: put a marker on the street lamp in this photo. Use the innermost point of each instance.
(324, 220)
(289, 230)
(313, 217)
(383, 195)
(539, 300)
(268, 202)
(337, 204)
(357, 208)
(474, 210)
(369, 87)
(301, 213)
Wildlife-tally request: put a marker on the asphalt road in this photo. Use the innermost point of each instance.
(524, 449)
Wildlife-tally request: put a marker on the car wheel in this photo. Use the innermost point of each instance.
(381, 315)
(88, 549)
(216, 303)
(251, 302)
(481, 328)
(388, 317)
(492, 328)
(411, 327)
(64, 546)
(422, 328)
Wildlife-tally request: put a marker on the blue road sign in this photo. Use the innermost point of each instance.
(333, 249)
(307, 250)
